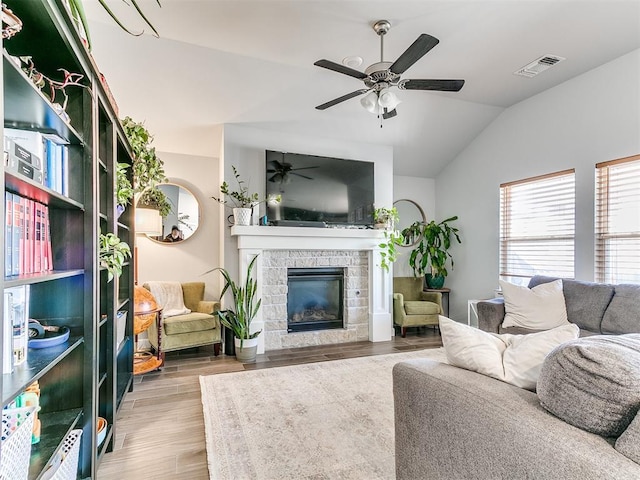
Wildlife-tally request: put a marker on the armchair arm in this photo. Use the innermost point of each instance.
(398, 309)
(206, 306)
(435, 297)
(491, 314)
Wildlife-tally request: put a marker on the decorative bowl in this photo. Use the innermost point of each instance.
(101, 430)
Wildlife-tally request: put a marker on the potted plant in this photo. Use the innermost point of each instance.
(148, 168)
(241, 201)
(155, 199)
(385, 218)
(113, 254)
(245, 307)
(429, 257)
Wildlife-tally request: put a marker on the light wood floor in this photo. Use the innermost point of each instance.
(160, 428)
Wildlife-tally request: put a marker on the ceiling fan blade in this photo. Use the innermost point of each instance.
(305, 168)
(415, 52)
(336, 67)
(300, 175)
(338, 100)
(441, 85)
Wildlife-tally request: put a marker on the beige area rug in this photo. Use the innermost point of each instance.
(320, 421)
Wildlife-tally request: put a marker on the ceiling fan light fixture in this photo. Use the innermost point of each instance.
(387, 99)
(370, 102)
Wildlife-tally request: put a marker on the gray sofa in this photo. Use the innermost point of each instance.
(596, 308)
(455, 424)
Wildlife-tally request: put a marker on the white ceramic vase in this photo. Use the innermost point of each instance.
(242, 216)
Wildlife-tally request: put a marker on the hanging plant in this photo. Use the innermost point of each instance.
(155, 198)
(124, 189)
(113, 254)
(148, 168)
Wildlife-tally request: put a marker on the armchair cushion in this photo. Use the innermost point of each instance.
(421, 308)
(190, 322)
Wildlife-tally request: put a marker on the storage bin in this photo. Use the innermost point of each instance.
(65, 464)
(17, 425)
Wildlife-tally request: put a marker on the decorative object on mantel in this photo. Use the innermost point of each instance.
(385, 217)
(429, 257)
(245, 308)
(241, 201)
(380, 77)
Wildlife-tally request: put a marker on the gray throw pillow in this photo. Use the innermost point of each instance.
(593, 383)
(628, 443)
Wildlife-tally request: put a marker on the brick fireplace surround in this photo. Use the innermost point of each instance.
(367, 303)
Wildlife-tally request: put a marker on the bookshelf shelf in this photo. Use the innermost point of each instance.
(38, 363)
(89, 375)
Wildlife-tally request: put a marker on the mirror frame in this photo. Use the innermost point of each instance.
(422, 214)
(180, 186)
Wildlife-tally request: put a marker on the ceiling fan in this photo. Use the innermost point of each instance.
(282, 170)
(379, 77)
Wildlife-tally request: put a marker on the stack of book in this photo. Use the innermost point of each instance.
(27, 236)
(42, 158)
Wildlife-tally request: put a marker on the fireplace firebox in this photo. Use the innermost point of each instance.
(315, 299)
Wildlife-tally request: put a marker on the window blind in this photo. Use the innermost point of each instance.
(537, 227)
(617, 253)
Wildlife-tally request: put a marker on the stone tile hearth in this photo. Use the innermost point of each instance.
(274, 296)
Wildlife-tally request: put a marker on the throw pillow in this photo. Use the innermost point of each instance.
(515, 359)
(539, 308)
(593, 383)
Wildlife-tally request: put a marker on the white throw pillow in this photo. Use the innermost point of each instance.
(539, 308)
(515, 359)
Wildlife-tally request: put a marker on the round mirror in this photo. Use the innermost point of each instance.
(409, 212)
(183, 218)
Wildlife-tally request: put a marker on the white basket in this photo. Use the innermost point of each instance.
(17, 426)
(65, 465)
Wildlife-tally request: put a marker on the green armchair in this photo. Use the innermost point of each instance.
(412, 307)
(195, 329)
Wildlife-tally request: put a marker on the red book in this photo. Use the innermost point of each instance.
(37, 244)
(19, 205)
(46, 238)
(15, 257)
(8, 235)
(28, 236)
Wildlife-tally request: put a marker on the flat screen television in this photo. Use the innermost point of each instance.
(336, 191)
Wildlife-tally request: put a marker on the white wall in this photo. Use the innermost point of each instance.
(423, 192)
(244, 147)
(592, 118)
(187, 261)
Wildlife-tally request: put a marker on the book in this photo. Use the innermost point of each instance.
(16, 231)
(8, 234)
(21, 153)
(46, 242)
(37, 243)
(29, 139)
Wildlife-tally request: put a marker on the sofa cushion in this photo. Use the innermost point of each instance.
(514, 359)
(623, 313)
(421, 308)
(538, 308)
(585, 302)
(628, 443)
(190, 322)
(593, 383)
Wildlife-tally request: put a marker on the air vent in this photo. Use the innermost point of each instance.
(539, 65)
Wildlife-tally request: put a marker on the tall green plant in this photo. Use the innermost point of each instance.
(245, 304)
(432, 251)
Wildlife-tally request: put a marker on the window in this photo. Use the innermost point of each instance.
(537, 227)
(617, 257)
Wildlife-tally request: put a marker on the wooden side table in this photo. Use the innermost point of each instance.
(445, 298)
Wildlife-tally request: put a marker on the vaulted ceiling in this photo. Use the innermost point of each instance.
(251, 62)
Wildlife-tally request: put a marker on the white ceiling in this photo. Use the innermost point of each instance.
(251, 62)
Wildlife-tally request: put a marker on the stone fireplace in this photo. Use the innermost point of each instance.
(366, 288)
